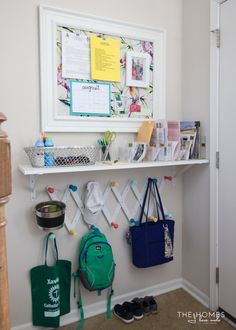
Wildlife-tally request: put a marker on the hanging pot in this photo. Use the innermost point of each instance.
(50, 215)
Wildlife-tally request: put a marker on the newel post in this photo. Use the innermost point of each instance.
(5, 191)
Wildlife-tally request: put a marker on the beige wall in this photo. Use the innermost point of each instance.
(19, 67)
(195, 100)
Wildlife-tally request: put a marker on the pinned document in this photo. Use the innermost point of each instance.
(75, 56)
(105, 59)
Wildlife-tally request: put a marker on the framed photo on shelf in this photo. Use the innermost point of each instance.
(138, 69)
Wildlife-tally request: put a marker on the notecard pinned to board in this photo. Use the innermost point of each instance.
(145, 132)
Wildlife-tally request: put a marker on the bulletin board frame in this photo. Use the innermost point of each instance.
(50, 18)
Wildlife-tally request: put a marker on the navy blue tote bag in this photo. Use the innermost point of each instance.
(152, 242)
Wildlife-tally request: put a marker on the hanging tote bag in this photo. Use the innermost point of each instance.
(152, 242)
(50, 289)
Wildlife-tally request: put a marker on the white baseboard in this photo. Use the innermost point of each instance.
(100, 307)
(195, 293)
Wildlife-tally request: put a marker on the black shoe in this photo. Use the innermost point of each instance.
(123, 313)
(144, 305)
(135, 308)
(152, 304)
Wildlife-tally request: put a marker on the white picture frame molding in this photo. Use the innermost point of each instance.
(50, 18)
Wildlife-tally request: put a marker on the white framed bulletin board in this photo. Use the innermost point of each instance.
(99, 74)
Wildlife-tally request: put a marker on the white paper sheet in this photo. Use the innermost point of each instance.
(75, 56)
(90, 99)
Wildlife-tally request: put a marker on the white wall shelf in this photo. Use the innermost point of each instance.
(29, 170)
(35, 172)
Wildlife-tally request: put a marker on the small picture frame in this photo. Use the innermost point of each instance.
(138, 152)
(138, 69)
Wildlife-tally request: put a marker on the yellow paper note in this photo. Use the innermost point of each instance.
(105, 59)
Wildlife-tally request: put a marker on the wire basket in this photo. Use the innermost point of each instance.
(61, 156)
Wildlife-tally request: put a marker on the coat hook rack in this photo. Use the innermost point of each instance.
(35, 172)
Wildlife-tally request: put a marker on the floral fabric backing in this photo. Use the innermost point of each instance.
(126, 101)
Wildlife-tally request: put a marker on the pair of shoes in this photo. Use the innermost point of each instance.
(148, 304)
(128, 311)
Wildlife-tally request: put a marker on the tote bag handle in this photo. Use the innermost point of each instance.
(144, 201)
(51, 236)
(152, 185)
(158, 199)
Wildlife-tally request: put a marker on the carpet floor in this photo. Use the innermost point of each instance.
(172, 309)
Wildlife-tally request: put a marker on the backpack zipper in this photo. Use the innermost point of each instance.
(87, 241)
(85, 253)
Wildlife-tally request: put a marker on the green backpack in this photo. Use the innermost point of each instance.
(96, 267)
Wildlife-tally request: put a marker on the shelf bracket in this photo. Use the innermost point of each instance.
(184, 169)
(33, 178)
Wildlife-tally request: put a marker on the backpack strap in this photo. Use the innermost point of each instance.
(95, 229)
(80, 306)
(79, 302)
(109, 303)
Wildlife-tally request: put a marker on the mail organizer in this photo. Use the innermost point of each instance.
(61, 156)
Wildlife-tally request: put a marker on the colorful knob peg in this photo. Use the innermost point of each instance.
(73, 232)
(51, 190)
(168, 178)
(72, 187)
(114, 184)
